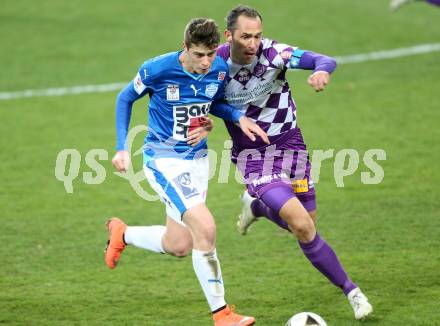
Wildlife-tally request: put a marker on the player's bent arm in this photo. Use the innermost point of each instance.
(228, 112)
(251, 129)
(321, 65)
(224, 111)
(314, 61)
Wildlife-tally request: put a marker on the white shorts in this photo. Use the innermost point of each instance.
(180, 184)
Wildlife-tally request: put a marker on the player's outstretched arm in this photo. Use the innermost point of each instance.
(197, 135)
(251, 129)
(229, 113)
(321, 65)
(121, 160)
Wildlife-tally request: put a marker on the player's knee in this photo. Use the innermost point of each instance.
(209, 233)
(183, 248)
(180, 253)
(304, 229)
(205, 237)
(178, 245)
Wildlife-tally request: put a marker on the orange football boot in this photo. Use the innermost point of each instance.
(115, 244)
(227, 317)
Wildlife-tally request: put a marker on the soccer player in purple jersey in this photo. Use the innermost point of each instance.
(396, 4)
(278, 175)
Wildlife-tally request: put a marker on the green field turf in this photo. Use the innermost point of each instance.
(51, 243)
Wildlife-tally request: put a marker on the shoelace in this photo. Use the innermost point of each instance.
(357, 299)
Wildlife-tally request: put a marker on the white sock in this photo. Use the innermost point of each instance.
(207, 268)
(146, 237)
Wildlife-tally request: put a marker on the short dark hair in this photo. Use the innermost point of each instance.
(202, 31)
(240, 10)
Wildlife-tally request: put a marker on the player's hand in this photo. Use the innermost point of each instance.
(251, 129)
(121, 161)
(197, 135)
(319, 80)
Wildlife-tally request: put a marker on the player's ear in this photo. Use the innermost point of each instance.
(228, 36)
(184, 46)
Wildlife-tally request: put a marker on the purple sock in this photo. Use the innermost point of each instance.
(322, 256)
(276, 198)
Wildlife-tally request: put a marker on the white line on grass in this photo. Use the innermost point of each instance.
(355, 58)
(62, 91)
(389, 54)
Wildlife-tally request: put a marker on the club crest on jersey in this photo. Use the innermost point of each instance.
(244, 75)
(211, 90)
(173, 92)
(221, 75)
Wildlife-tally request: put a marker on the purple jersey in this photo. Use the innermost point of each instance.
(260, 90)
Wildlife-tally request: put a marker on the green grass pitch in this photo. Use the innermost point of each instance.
(51, 242)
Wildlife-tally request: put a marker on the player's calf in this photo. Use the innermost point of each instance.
(298, 220)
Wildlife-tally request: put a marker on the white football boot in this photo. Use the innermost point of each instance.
(246, 218)
(361, 307)
(396, 4)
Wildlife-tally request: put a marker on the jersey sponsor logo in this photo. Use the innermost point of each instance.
(211, 90)
(300, 186)
(173, 93)
(270, 178)
(183, 181)
(187, 117)
(195, 123)
(221, 75)
(242, 97)
(138, 85)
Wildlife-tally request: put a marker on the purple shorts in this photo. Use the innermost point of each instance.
(283, 163)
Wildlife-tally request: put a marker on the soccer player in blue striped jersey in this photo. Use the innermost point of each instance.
(183, 87)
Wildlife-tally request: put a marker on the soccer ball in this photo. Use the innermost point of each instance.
(306, 319)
